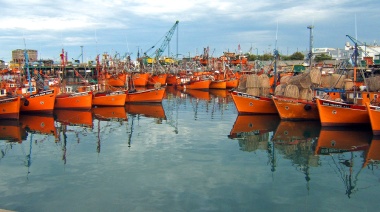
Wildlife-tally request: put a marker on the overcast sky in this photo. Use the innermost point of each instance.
(125, 26)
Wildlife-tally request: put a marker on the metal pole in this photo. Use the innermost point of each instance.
(82, 52)
(310, 27)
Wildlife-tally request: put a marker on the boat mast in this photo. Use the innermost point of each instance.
(27, 70)
(275, 54)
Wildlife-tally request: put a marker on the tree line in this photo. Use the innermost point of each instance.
(294, 56)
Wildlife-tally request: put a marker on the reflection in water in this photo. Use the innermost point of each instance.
(110, 113)
(12, 131)
(347, 148)
(74, 122)
(372, 157)
(293, 132)
(41, 124)
(253, 131)
(154, 110)
(295, 140)
(173, 148)
(74, 117)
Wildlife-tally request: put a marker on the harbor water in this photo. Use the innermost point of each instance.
(192, 152)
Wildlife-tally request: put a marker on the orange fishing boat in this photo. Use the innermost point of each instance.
(374, 117)
(334, 113)
(253, 125)
(147, 110)
(296, 109)
(41, 102)
(232, 83)
(145, 96)
(110, 113)
(246, 103)
(74, 117)
(193, 83)
(171, 79)
(10, 107)
(41, 124)
(12, 131)
(339, 140)
(157, 78)
(293, 132)
(140, 79)
(218, 84)
(116, 80)
(109, 98)
(81, 100)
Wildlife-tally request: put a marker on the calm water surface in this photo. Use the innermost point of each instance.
(193, 152)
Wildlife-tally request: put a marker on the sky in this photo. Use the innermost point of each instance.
(129, 27)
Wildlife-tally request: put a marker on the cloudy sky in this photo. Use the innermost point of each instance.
(126, 26)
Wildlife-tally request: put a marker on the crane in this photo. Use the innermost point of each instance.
(354, 56)
(168, 36)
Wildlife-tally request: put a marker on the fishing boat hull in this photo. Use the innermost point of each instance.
(146, 96)
(246, 104)
(115, 98)
(218, 84)
(296, 109)
(42, 102)
(140, 79)
(157, 78)
(116, 80)
(374, 117)
(171, 79)
(333, 113)
(196, 84)
(10, 108)
(232, 83)
(82, 100)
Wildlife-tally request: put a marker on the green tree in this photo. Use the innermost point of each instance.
(322, 57)
(297, 56)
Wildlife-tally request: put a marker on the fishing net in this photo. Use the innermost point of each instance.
(253, 81)
(373, 83)
(264, 81)
(280, 90)
(292, 91)
(315, 76)
(301, 80)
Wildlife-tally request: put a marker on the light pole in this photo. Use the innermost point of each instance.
(81, 47)
(310, 27)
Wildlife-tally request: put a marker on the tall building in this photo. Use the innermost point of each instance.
(18, 56)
